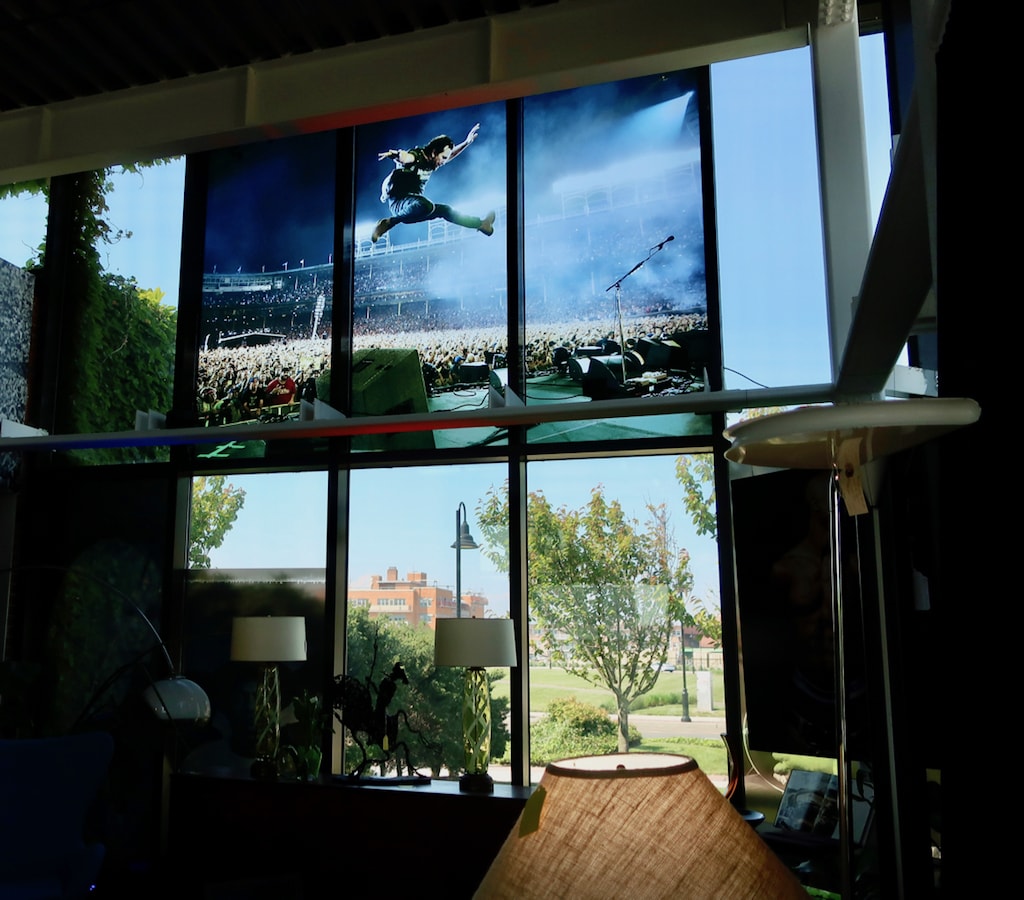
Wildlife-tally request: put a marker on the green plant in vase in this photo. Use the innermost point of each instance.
(312, 720)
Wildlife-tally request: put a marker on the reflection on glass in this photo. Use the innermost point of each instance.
(257, 547)
(401, 579)
(430, 301)
(268, 281)
(616, 296)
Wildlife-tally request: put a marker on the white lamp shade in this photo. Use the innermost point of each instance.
(474, 643)
(647, 826)
(268, 639)
(808, 438)
(178, 698)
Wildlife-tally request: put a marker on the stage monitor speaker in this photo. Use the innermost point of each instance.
(560, 357)
(698, 346)
(578, 367)
(473, 373)
(662, 355)
(389, 383)
(601, 376)
(588, 351)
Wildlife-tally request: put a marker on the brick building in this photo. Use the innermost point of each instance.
(413, 600)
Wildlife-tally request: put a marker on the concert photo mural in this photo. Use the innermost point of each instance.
(430, 288)
(615, 257)
(268, 280)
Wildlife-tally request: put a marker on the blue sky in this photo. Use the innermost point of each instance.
(773, 305)
(405, 517)
(148, 204)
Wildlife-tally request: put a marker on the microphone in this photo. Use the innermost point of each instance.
(671, 237)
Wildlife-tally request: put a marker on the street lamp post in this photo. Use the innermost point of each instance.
(686, 693)
(463, 541)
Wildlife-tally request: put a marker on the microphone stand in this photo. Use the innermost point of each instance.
(618, 300)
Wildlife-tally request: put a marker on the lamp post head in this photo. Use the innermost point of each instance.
(465, 540)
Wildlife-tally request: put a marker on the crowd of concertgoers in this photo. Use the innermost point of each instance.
(266, 350)
(239, 383)
(242, 383)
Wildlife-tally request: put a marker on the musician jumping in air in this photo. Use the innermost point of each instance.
(403, 189)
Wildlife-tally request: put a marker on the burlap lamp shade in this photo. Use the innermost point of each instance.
(631, 826)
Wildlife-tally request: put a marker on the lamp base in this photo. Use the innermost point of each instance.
(476, 783)
(264, 769)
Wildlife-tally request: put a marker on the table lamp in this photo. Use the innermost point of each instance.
(637, 825)
(476, 644)
(268, 640)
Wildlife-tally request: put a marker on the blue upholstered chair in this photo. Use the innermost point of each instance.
(47, 787)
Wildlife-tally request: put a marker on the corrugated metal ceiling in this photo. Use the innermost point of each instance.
(58, 50)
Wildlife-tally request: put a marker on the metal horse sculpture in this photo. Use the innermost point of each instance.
(362, 708)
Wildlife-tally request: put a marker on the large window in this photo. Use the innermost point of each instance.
(382, 256)
(618, 302)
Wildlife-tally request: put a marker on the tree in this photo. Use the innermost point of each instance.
(604, 589)
(215, 506)
(707, 616)
(696, 474)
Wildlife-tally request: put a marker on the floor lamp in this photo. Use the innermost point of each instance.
(268, 640)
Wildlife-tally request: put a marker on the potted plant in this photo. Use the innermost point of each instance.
(312, 719)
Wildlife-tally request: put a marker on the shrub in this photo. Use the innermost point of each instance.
(572, 728)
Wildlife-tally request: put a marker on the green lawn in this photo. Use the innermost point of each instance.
(549, 684)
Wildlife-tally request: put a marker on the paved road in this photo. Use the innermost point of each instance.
(670, 726)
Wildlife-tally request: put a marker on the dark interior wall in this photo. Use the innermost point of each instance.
(91, 544)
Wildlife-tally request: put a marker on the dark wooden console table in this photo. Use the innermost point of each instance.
(407, 840)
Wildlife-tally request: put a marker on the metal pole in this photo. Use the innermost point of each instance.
(686, 694)
(458, 561)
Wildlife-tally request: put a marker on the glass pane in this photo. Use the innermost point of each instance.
(258, 547)
(431, 304)
(146, 209)
(625, 631)
(616, 293)
(22, 226)
(268, 281)
(403, 573)
(22, 221)
(875, 90)
(768, 209)
(120, 320)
